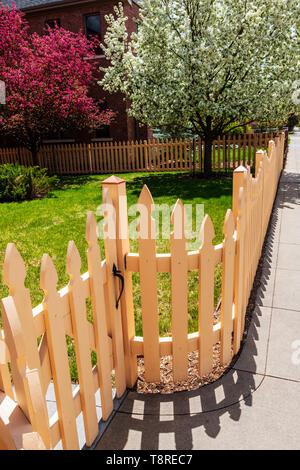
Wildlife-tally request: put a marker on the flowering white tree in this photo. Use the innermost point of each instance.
(206, 63)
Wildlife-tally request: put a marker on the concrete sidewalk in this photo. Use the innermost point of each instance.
(256, 405)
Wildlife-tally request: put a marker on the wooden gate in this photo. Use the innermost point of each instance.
(33, 364)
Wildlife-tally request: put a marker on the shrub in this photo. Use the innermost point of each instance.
(238, 130)
(20, 183)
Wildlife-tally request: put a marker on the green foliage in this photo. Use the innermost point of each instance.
(239, 130)
(20, 183)
(173, 132)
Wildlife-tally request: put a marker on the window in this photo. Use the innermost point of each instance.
(92, 26)
(93, 29)
(136, 129)
(103, 131)
(53, 23)
(61, 135)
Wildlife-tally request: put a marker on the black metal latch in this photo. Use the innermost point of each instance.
(118, 274)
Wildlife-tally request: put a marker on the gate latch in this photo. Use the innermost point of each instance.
(117, 273)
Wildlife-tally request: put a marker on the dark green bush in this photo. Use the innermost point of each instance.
(237, 130)
(20, 183)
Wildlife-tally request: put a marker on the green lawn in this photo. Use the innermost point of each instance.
(46, 226)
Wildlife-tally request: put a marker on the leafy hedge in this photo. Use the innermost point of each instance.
(20, 183)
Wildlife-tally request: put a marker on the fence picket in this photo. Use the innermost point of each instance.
(99, 316)
(148, 277)
(227, 288)
(238, 274)
(179, 293)
(82, 349)
(55, 330)
(206, 296)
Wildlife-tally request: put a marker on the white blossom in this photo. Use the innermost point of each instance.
(206, 63)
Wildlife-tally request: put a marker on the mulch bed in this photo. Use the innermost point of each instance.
(167, 384)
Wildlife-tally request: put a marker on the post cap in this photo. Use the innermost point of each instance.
(240, 169)
(113, 180)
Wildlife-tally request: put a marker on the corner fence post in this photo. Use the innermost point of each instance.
(117, 189)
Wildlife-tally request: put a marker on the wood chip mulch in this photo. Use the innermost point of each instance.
(167, 384)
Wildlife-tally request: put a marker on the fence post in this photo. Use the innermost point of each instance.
(117, 189)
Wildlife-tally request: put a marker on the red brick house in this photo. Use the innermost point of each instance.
(88, 16)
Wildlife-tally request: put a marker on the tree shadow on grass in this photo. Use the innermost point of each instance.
(66, 182)
(185, 187)
(180, 184)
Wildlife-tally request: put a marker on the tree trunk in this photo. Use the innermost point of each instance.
(35, 157)
(208, 141)
(194, 157)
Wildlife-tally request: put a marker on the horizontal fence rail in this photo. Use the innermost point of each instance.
(111, 334)
(228, 152)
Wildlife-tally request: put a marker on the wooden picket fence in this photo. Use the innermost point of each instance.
(154, 155)
(24, 421)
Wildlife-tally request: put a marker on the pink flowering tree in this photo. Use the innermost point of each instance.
(47, 79)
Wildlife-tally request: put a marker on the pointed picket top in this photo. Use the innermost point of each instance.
(228, 227)
(271, 146)
(178, 220)
(146, 225)
(260, 152)
(48, 277)
(14, 270)
(73, 264)
(146, 197)
(91, 229)
(207, 231)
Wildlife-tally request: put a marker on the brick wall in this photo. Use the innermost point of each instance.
(72, 18)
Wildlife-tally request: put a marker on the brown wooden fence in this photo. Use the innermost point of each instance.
(153, 155)
(25, 423)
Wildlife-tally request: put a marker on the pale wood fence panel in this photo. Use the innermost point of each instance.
(154, 155)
